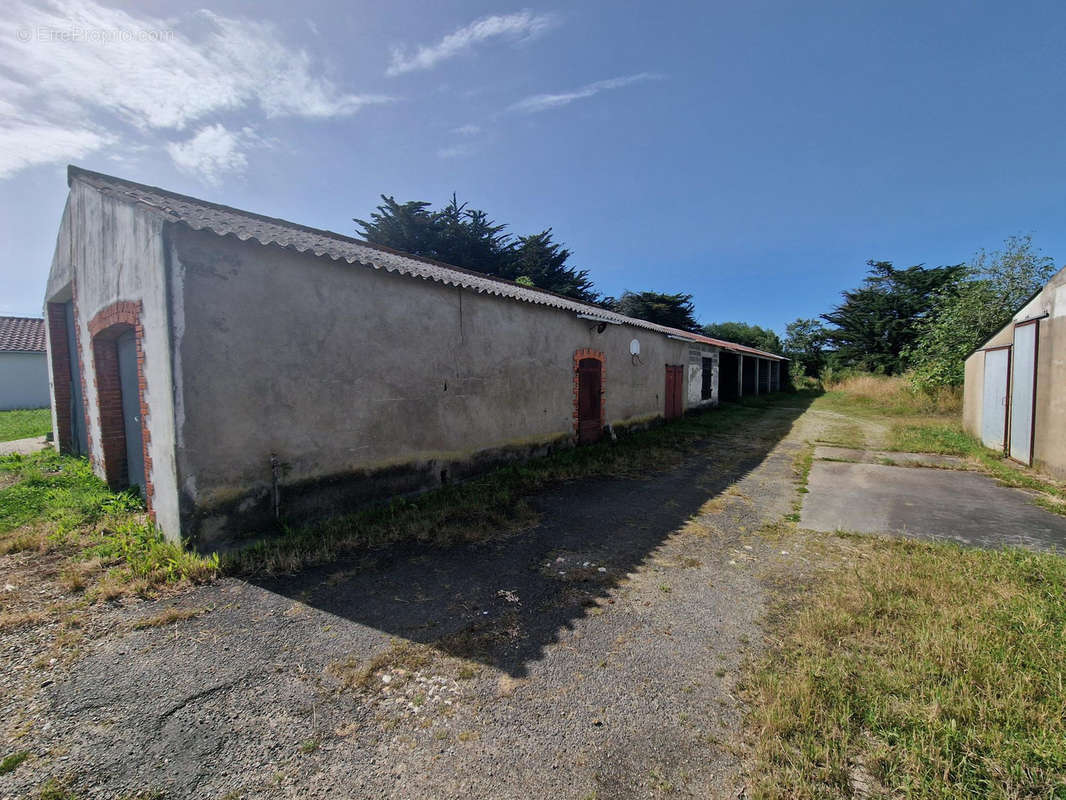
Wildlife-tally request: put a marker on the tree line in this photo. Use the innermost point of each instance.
(920, 320)
(466, 237)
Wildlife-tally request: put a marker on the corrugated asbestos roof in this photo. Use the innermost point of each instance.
(244, 225)
(21, 335)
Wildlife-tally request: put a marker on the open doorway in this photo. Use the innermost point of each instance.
(589, 400)
(118, 389)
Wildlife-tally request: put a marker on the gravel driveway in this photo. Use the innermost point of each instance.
(593, 655)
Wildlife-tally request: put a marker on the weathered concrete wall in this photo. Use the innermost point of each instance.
(57, 290)
(109, 251)
(696, 356)
(341, 369)
(23, 380)
(1049, 421)
(972, 393)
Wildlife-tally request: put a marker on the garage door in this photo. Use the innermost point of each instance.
(994, 402)
(1023, 392)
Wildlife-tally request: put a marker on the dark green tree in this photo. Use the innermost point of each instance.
(468, 238)
(543, 262)
(672, 310)
(804, 344)
(743, 333)
(877, 324)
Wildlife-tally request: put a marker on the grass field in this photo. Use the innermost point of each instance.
(924, 671)
(24, 423)
(909, 669)
(55, 505)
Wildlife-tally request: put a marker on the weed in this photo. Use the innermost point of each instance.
(56, 789)
(11, 761)
(664, 588)
(397, 663)
(308, 746)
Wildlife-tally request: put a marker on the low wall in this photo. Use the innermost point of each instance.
(23, 381)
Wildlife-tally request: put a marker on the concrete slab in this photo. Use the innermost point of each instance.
(942, 505)
(832, 453)
(24, 446)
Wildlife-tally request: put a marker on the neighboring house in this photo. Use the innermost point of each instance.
(239, 367)
(23, 363)
(1015, 395)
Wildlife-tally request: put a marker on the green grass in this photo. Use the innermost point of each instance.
(11, 761)
(928, 671)
(496, 503)
(946, 438)
(24, 423)
(55, 504)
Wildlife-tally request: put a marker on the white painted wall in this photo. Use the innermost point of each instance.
(23, 381)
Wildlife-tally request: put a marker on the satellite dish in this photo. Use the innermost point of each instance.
(634, 348)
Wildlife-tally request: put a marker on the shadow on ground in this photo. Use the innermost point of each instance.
(502, 602)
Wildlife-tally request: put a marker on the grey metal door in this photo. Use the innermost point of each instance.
(1023, 392)
(78, 436)
(131, 408)
(994, 401)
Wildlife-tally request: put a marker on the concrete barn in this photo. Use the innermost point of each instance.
(23, 363)
(1015, 393)
(238, 367)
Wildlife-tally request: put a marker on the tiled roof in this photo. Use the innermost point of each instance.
(244, 225)
(21, 334)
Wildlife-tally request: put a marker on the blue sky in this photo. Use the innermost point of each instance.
(754, 154)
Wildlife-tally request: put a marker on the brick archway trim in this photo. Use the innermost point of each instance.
(579, 355)
(104, 329)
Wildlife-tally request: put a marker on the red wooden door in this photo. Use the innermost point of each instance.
(589, 387)
(674, 383)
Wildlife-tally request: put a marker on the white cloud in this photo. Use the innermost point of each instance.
(520, 26)
(545, 102)
(467, 130)
(213, 151)
(75, 61)
(26, 144)
(455, 151)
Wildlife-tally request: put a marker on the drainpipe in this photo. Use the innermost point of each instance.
(275, 473)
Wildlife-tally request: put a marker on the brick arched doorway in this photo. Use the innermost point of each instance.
(589, 395)
(118, 366)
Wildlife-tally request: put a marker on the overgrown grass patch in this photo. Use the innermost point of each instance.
(55, 504)
(924, 670)
(893, 395)
(24, 423)
(496, 503)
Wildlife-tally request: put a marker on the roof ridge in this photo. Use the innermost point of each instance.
(103, 182)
